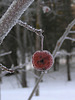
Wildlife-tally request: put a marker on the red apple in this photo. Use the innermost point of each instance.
(42, 60)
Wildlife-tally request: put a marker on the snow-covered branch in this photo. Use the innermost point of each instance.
(37, 31)
(10, 18)
(71, 31)
(24, 24)
(69, 38)
(6, 69)
(62, 38)
(13, 69)
(64, 53)
(6, 53)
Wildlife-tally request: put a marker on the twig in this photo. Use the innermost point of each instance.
(69, 38)
(6, 69)
(62, 38)
(13, 69)
(36, 85)
(37, 31)
(60, 53)
(6, 53)
(42, 39)
(72, 32)
(24, 24)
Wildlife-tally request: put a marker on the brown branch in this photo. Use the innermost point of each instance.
(10, 18)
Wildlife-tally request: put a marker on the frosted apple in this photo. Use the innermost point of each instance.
(42, 60)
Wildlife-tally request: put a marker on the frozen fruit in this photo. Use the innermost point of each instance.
(42, 60)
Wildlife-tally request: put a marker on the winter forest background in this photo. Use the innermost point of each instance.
(53, 17)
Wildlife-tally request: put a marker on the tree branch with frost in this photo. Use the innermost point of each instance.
(6, 53)
(24, 24)
(72, 32)
(6, 69)
(69, 38)
(58, 45)
(11, 16)
(37, 31)
(13, 69)
(64, 53)
(62, 38)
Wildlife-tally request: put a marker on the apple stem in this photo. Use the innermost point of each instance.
(42, 39)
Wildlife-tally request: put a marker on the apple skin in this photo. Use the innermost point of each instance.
(42, 60)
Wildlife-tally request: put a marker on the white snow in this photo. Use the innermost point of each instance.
(54, 86)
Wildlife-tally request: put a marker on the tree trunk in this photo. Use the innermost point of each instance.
(56, 64)
(38, 26)
(23, 74)
(22, 55)
(0, 77)
(68, 69)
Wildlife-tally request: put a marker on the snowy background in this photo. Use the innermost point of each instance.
(55, 85)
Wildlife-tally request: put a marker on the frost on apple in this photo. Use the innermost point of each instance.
(42, 60)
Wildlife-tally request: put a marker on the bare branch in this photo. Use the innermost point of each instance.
(6, 53)
(36, 86)
(6, 69)
(62, 38)
(24, 24)
(10, 18)
(72, 32)
(62, 53)
(72, 39)
(13, 69)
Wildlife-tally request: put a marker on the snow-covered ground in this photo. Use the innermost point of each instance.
(54, 86)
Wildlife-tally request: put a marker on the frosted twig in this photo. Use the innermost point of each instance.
(62, 38)
(36, 85)
(58, 45)
(71, 31)
(13, 68)
(37, 31)
(24, 24)
(6, 53)
(6, 69)
(69, 38)
(11, 16)
(42, 39)
(60, 53)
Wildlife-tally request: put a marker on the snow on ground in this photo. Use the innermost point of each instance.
(54, 86)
